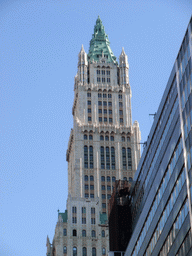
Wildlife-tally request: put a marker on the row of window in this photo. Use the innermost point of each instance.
(103, 72)
(83, 210)
(74, 220)
(86, 178)
(108, 80)
(88, 157)
(107, 158)
(104, 103)
(126, 158)
(90, 137)
(74, 233)
(105, 111)
(87, 195)
(108, 187)
(105, 119)
(106, 138)
(104, 95)
(84, 251)
(87, 187)
(108, 179)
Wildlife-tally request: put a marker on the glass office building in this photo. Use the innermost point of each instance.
(161, 204)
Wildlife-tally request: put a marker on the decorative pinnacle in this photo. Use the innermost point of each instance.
(123, 51)
(82, 48)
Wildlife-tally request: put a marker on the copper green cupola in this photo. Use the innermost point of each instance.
(99, 45)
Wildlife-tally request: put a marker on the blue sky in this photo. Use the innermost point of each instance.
(39, 44)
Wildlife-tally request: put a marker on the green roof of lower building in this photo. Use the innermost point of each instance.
(63, 215)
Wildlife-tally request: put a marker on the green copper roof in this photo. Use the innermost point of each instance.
(63, 215)
(103, 218)
(99, 44)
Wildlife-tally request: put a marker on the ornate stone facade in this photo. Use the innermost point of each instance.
(103, 146)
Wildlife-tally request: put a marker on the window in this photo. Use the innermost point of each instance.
(120, 104)
(83, 233)
(86, 195)
(130, 179)
(91, 157)
(88, 94)
(120, 112)
(101, 137)
(109, 96)
(99, 95)
(91, 178)
(108, 72)
(65, 232)
(74, 232)
(103, 187)
(105, 111)
(85, 157)
(103, 205)
(100, 111)
(83, 209)
(100, 103)
(93, 221)
(108, 196)
(103, 196)
(112, 137)
(105, 119)
(110, 112)
(89, 118)
(107, 158)
(110, 120)
(109, 188)
(125, 178)
(88, 102)
(109, 103)
(121, 120)
(103, 79)
(107, 138)
(113, 158)
(84, 251)
(83, 220)
(120, 96)
(108, 80)
(129, 158)
(104, 95)
(74, 220)
(113, 179)
(98, 79)
(86, 187)
(104, 103)
(103, 72)
(89, 110)
(91, 195)
(85, 178)
(74, 251)
(64, 249)
(93, 251)
(98, 72)
(108, 179)
(124, 158)
(103, 233)
(74, 209)
(123, 138)
(128, 138)
(103, 251)
(93, 233)
(102, 158)
(102, 178)
(85, 137)
(92, 210)
(91, 187)
(90, 137)
(100, 119)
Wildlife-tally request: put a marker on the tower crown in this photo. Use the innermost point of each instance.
(99, 45)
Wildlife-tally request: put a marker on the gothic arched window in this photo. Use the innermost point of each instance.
(113, 158)
(74, 251)
(124, 158)
(93, 251)
(84, 251)
(103, 233)
(129, 158)
(64, 249)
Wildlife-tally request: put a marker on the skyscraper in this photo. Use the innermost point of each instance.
(161, 198)
(103, 146)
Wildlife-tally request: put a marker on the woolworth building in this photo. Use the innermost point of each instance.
(103, 147)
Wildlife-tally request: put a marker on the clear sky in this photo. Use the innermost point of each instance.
(39, 45)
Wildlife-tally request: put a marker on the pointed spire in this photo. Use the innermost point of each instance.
(82, 48)
(123, 51)
(100, 43)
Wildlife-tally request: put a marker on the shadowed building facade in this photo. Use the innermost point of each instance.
(103, 147)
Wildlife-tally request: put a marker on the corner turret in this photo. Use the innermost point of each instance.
(124, 68)
(82, 66)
